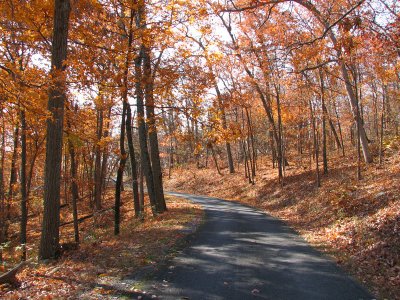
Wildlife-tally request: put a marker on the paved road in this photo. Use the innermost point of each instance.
(241, 253)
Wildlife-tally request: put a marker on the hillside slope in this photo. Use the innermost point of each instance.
(356, 222)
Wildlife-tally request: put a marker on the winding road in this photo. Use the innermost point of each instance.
(241, 253)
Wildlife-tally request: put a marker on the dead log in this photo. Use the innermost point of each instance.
(81, 219)
(9, 277)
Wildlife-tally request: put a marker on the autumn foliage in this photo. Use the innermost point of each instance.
(140, 88)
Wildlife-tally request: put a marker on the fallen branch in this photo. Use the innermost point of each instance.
(9, 277)
(81, 219)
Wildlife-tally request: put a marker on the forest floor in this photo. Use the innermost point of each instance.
(98, 269)
(356, 222)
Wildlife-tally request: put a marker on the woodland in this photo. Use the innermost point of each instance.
(291, 106)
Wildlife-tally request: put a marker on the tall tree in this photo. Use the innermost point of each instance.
(152, 131)
(50, 238)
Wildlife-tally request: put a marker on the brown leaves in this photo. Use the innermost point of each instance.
(356, 221)
(103, 259)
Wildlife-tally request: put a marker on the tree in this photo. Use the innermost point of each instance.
(49, 244)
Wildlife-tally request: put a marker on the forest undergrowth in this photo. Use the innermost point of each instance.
(98, 268)
(356, 222)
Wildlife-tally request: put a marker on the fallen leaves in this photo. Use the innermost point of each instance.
(358, 222)
(103, 260)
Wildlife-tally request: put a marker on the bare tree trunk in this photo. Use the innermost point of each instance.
(215, 158)
(281, 160)
(141, 192)
(2, 193)
(273, 150)
(14, 171)
(171, 157)
(324, 117)
(251, 137)
(340, 130)
(24, 208)
(2, 161)
(125, 106)
(140, 60)
(333, 130)
(316, 146)
(152, 132)
(144, 152)
(97, 165)
(74, 184)
(382, 129)
(120, 173)
(135, 188)
(32, 163)
(225, 127)
(250, 159)
(49, 244)
(65, 179)
(247, 171)
(104, 162)
(358, 126)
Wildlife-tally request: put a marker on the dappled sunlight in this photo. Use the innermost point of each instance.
(354, 221)
(98, 268)
(240, 251)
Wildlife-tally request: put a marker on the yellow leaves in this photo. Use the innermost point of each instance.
(215, 57)
(192, 20)
(185, 53)
(198, 148)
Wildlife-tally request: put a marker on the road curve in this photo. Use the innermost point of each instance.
(241, 253)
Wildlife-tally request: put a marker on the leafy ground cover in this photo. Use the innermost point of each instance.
(357, 222)
(100, 267)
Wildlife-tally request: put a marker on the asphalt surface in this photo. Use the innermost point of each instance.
(242, 253)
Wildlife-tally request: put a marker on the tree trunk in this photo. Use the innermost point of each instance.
(2, 161)
(224, 126)
(120, 172)
(324, 117)
(340, 130)
(251, 137)
(358, 127)
(74, 188)
(215, 158)
(279, 140)
(247, 170)
(24, 208)
(141, 192)
(97, 165)
(382, 130)
(3, 224)
(104, 162)
(49, 244)
(14, 171)
(128, 122)
(316, 145)
(152, 131)
(135, 187)
(144, 152)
